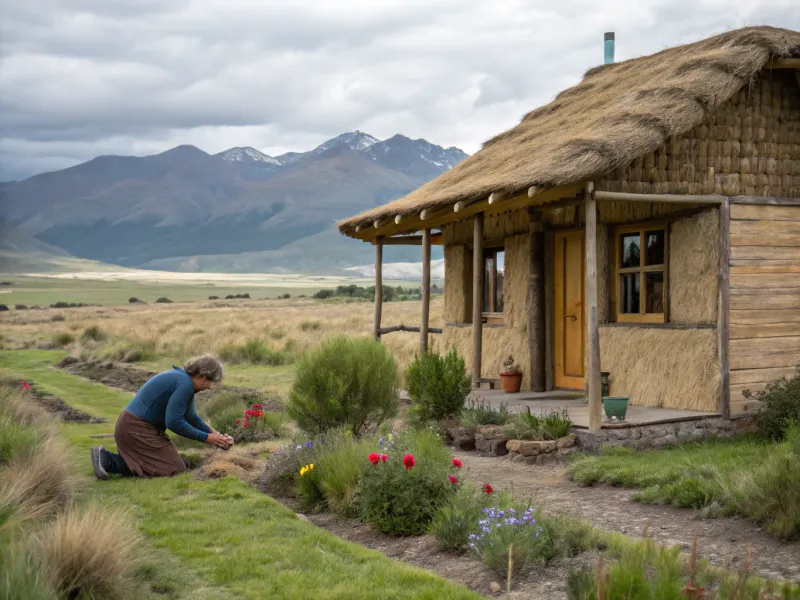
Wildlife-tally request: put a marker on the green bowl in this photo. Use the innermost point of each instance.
(615, 406)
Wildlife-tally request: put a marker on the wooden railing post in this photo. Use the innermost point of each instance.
(536, 320)
(378, 288)
(477, 298)
(426, 291)
(723, 308)
(592, 333)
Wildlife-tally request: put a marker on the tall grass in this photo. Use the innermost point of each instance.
(255, 351)
(21, 578)
(340, 460)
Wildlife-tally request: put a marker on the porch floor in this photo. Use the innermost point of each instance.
(578, 409)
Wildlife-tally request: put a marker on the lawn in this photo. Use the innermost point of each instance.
(223, 538)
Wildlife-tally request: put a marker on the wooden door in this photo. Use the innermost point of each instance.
(568, 313)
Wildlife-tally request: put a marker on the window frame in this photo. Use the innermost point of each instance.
(492, 317)
(642, 270)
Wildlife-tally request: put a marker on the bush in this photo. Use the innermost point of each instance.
(400, 501)
(438, 385)
(255, 427)
(20, 577)
(20, 307)
(213, 297)
(310, 326)
(255, 351)
(93, 333)
(457, 520)
(89, 554)
(323, 294)
(780, 405)
(339, 459)
(549, 426)
(283, 467)
(3, 308)
(16, 439)
(344, 382)
(135, 300)
(63, 338)
(58, 318)
(130, 351)
(286, 296)
(484, 414)
(163, 300)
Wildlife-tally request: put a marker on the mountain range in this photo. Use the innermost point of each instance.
(238, 211)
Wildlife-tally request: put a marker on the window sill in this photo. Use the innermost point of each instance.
(485, 325)
(493, 318)
(660, 325)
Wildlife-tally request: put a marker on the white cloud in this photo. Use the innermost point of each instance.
(85, 77)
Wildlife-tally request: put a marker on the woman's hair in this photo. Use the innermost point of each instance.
(207, 366)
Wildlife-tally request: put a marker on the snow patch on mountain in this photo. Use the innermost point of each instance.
(247, 153)
(402, 270)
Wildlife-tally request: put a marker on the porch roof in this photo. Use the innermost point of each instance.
(617, 113)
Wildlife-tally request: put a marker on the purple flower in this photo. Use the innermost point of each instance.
(308, 444)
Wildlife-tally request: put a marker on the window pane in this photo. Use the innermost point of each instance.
(655, 247)
(499, 295)
(654, 293)
(488, 268)
(629, 293)
(629, 250)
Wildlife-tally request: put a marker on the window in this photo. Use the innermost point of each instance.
(641, 273)
(493, 279)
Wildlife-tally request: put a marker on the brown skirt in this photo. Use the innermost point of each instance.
(146, 450)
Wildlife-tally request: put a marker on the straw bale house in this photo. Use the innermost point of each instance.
(645, 223)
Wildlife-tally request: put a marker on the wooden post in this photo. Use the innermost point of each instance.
(723, 308)
(477, 298)
(536, 319)
(592, 333)
(426, 291)
(549, 324)
(378, 288)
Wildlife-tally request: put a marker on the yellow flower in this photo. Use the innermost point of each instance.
(306, 469)
(389, 437)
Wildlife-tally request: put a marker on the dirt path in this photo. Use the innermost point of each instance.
(723, 542)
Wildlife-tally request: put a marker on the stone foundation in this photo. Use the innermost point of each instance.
(658, 436)
(541, 452)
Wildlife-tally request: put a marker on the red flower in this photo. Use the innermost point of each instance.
(452, 479)
(408, 461)
(259, 414)
(238, 421)
(457, 463)
(245, 424)
(383, 457)
(374, 458)
(24, 385)
(488, 489)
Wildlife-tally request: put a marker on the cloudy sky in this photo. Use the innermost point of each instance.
(80, 78)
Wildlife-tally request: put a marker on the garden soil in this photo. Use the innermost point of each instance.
(723, 542)
(53, 404)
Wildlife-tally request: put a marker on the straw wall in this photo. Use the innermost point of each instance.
(750, 146)
(765, 296)
(694, 268)
(670, 368)
(498, 341)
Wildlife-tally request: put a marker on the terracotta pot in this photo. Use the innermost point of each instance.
(510, 382)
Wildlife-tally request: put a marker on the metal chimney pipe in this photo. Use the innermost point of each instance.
(608, 43)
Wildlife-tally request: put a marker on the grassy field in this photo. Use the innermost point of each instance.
(105, 289)
(222, 537)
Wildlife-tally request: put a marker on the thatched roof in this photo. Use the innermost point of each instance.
(619, 112)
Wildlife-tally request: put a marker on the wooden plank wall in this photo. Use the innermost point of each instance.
(764, 297)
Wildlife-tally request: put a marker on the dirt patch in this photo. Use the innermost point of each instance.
(52, 404)
(723, 542)
(130, 379)
(245, 462)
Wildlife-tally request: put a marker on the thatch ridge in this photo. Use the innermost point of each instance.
(618, 113)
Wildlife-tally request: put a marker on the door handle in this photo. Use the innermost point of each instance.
(573, 317)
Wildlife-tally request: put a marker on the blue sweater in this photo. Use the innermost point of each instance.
(167, 401)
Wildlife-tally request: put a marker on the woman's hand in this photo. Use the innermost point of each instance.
(219, 440)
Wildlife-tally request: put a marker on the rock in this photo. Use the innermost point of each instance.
(531, 460)
(566, 442)
(302, 517)
(490, 432)
(568, 450)
(495, 587)
(465, 443)
(483, 445)
(529, 448)
(513, 445)
(545, 459)
(519, 458)
(699, 433)
(498, 447)
(511, 453)
(667, 440)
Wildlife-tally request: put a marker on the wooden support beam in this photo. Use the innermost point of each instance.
(477, 297)
(426, 291)
(536, 312)
(408, 328)
(378, 289)
(592, 333)
(666, 198)
(723, 309)
(549, 300)
(397, 219)
(784, 63)
(496, 197)
(377, 223)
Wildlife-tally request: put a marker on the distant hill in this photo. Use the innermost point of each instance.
(239, 210)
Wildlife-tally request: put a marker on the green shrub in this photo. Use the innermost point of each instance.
(21, 578)
(222, 401)
(16, 438)
(3, 308)
(63, 338)
(93, 333)
(780, 404)
(255, 351)
(555, 425)
(344, 382)
(134, 300)
(20, 307)
(307, 487)
(163, 300)
(456, 520)
(483, 414)
(548, 426)
(283, 467)
(400, 501)
(130, 351)
(265, 426)
(339, 460)
(58, 318)
(438, 385)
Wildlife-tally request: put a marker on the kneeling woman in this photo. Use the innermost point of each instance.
(166, 401)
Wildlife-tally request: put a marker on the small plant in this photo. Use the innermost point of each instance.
(401, 495)
(344, 382)
(252, 425)
(58, 318)
(438, 385)
(458, 519)
(509, 367)
(20, 307)
(163, 300)
(552, 425)
(255, 351)
(63, 338)
(284, 465)
(93, 333)
(130, 351)
(134, 300)
(480, 413)
(3, 308)
(555, 425)
(780, 404)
